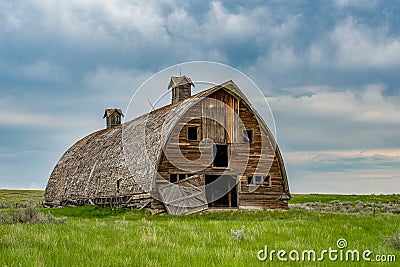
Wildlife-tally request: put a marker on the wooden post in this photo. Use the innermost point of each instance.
(373, 209)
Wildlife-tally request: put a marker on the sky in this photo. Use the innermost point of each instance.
(328, 69)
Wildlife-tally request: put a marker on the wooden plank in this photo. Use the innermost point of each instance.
(185, 197)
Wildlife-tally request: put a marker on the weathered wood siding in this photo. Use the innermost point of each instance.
(245, 159)
(218, 117)
(181, 92)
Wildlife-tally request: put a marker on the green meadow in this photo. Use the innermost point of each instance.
(96, 236)
(325, 198)
(13, 197)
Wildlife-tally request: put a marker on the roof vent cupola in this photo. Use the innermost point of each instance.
(181, 88)
(113, 117)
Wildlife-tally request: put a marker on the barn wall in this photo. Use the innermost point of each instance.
(244, 157)
(262, 161)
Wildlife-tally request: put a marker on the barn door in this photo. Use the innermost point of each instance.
(221, 191)
(184, 197)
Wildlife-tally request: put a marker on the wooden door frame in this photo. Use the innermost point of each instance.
(234, 177)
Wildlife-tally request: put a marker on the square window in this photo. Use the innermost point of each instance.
(192, 133)
(182, 177)
(173, 178)
(259, 180)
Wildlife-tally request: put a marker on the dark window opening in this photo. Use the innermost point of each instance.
(173, 178)
(192, 133)
(221, 156)
(267, 181)
(118, 184)
(248, 136)
(260, 180)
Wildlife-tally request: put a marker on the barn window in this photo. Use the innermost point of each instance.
(119, 184)
(192, 133)
(173, 178)
(248, 136)
(260, 180)
(249, 180)
(221, 156)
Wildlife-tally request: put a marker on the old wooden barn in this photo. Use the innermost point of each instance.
(210, 150)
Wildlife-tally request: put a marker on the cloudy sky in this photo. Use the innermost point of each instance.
(329, 69)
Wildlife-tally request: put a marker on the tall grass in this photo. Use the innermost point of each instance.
(96, 236)
(102, 237)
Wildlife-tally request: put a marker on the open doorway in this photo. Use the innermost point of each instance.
(221, 191)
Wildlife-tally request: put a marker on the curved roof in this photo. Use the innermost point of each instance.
(91, 167)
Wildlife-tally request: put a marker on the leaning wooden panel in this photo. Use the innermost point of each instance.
(186, 196)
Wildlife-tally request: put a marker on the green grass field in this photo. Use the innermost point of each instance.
(20, 196)
(95, 236)
(325, 198)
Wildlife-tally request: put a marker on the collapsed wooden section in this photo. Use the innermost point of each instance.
(184, 197)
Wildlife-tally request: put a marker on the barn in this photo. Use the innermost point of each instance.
(210, 150)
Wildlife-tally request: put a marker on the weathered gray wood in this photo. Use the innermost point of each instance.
(184, 197)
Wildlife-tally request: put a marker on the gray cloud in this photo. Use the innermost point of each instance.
(363, 118)
(345, 171)
(328, 68)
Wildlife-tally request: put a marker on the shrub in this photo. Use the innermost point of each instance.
(5, 218)
(4, 205)
(394, 240)
(29, 215)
